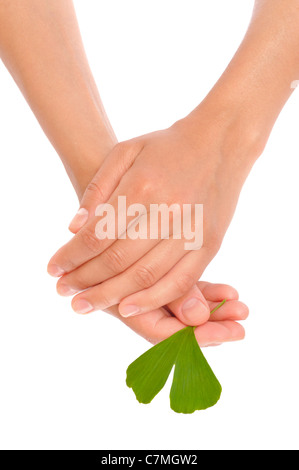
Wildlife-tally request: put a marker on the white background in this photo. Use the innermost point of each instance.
(63, 375)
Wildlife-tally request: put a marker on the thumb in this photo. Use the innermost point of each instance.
(104, 183)
(192, 308)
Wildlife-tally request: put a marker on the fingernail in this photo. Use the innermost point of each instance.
(193, 309)
(79, 220)
(129, 310)
(55, 270)
(82, 306)
(65, 290)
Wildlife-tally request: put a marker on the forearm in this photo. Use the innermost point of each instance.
(40, 44)
(250, 94)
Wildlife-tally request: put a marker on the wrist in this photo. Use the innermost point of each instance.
(241, 109)
(87, 159)
(225, 130)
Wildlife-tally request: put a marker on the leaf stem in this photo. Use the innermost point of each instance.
(218, 306)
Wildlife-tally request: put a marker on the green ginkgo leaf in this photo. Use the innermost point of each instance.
(194, 386)
(149, 373)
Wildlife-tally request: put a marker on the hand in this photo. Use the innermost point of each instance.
(182, 164)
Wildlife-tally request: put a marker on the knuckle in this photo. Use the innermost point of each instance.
(155, 300)
(90, 240)
(114, 260)
(184, 282)
(79, 280)
(144, 277)
(147, 186)
(83, 277)
(104, 301)
(144, 185)
(100, 299)
(95, 191)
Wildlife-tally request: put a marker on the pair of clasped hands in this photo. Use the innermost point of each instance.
(152, 284)
(204, 158)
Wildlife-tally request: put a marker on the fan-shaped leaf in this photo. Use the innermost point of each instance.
(149, 373)
(194, 385)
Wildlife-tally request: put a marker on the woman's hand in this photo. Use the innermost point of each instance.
(196, 161)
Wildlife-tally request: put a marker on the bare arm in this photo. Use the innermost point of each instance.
(258, 81)
(41, 46)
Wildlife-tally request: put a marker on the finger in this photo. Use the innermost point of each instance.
(212, 295)
(146, 272)
(154, 326)
(189, 308)
(105, 182)
(158, 325)
(231, 310)
(113, 261)
(94, 237)
(142, 274)
(121, 255)
(217, 292)
(192, 308)
(176, 283)
(219, 332)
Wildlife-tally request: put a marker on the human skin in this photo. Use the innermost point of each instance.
(203, 158)
(40, 45)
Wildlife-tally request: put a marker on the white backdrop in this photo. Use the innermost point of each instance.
(63, 375)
